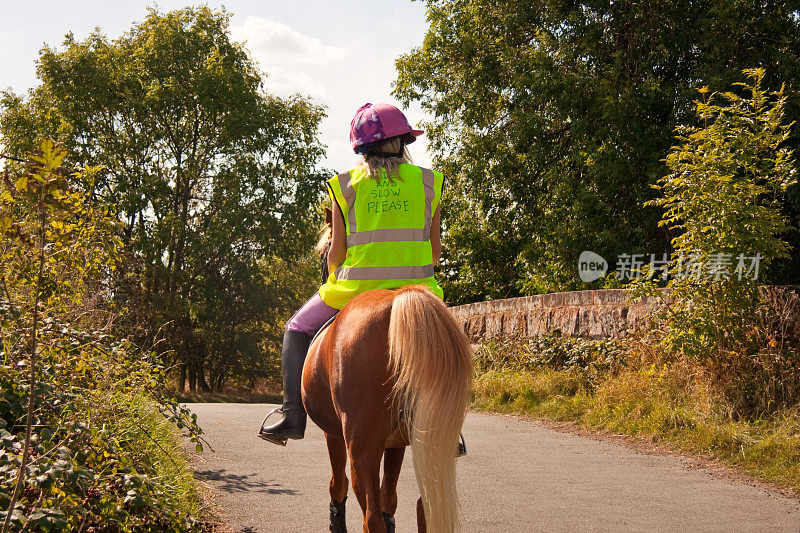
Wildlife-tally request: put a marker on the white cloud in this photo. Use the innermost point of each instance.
(273, 42)
(340, 153)
(282, 82)
(293, 61)
(296, 62)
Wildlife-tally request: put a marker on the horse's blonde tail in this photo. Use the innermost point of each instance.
(430, 356)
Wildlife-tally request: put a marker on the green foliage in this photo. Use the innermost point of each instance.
(213, 179)
(42, 204)
(722, 200)
(78, 407)
(552, 118)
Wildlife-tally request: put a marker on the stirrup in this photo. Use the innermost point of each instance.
(266, 436)
(462, 446)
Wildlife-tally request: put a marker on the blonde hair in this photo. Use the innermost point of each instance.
(324, 239)
(325, 232)
(372, 165)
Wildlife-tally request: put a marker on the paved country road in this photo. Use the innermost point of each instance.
(518, 477)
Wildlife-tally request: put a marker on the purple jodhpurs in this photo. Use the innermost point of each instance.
(311, 316)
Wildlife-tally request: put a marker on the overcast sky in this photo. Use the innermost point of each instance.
(339, 53)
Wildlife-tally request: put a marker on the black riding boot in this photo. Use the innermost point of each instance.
(293, 424)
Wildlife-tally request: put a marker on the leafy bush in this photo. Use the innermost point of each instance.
(723, 200)
(213, 178)
(82, 443)
(90, 450)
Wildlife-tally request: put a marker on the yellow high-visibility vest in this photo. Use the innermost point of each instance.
(388, 225)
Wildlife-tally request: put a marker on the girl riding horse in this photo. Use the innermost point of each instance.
(385, 235)
(394, 368)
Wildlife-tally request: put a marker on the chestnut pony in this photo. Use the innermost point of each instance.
(392, 369)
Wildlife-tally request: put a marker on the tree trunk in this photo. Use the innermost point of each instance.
(127, 233)
(182, 190)
(201, 377)
(176, 205)
(220, 379)
(182, 378)
(192, 379)
(149, 267)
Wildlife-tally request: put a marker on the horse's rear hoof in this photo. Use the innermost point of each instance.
(338, 524)
(389, 521)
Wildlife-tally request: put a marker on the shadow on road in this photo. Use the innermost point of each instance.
(241, 483)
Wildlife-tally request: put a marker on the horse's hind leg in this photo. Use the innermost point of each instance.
(392, 463)
(365, 469)
(337, 451)
(421, 526)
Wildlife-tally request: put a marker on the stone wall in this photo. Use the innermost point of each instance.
(598, 313)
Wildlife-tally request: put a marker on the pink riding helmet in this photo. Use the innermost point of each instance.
(374, 123)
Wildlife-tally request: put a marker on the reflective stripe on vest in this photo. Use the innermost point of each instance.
(349, 194)
(428, 180)
(388, 235)
(375, 273)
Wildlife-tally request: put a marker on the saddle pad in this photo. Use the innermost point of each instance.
(324, 327)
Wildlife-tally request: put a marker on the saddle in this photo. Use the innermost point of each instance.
(324, 327)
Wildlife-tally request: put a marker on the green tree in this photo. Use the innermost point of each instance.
(45, 231)
(212, 176)
(551, 120)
